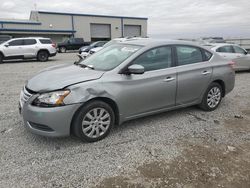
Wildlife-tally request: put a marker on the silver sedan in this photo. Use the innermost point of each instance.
(121, 82)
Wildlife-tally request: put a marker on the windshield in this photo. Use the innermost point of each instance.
(110, 57)
(93, 44)
(110, 43)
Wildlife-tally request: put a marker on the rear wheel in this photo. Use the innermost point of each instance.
(62, 49)
(42, 56)
(212, 97)
(94, 121)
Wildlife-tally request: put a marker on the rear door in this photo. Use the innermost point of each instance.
(193, 73)
(30, 47)
(14, 48)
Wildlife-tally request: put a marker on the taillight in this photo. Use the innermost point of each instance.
(231, 64)
(53, 45)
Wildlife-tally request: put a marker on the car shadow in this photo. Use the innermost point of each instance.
(26, 61)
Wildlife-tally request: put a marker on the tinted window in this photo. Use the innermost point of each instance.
(16, 42)
(188, 55)
(29, 41)
(225, 49)
(207, 55)
(239, 50)
(45, 41)
(157, 58)
(76, 40)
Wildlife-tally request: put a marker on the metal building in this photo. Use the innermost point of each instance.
(58, 26)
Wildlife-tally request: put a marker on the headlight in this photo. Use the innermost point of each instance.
(51, 99)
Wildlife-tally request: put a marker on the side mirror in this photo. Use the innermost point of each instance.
(6, 45)
(136, 69)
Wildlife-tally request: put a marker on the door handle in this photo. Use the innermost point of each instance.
(168, 79)
(206, 72)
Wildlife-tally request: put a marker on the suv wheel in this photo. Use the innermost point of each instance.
(212, 97)
(94, 121)
(42, 56)
(1, 58)
(62, 49)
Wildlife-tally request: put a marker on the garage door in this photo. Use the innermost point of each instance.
(100, 31)
(132, 30)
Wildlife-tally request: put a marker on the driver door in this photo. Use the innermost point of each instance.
(14, 48)
(152, 91)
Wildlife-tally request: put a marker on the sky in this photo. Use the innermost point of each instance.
(166, 18)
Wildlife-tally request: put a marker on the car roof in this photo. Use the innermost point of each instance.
(158, 42)
(31, 38)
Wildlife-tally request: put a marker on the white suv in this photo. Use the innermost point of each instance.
(27, 48)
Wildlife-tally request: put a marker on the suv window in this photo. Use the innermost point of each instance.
(239, 50)
(188, 55)
(18, 42)
(225, 49)
(154, 59)
(45, 41)
(29, 41)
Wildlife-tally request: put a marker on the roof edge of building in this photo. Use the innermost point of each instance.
(93, 15)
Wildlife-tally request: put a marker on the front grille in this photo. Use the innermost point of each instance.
(40, 127)
(26, 94)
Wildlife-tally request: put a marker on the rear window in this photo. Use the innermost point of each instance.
(188, 55)
(45, 41)
(29, 41)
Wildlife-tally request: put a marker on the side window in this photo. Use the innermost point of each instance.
(29, 41)
(154, 59)
(188, 55)
(225, 49)
(18, 42)
(207, 55)
(239, 50)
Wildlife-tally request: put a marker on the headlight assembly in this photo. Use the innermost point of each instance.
(51, 99)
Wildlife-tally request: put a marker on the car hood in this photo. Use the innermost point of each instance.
(59, 77)
(84, 47)
(96, 49)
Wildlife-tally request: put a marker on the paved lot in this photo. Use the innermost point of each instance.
(182, 148)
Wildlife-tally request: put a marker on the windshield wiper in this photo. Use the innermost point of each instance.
(84, 66)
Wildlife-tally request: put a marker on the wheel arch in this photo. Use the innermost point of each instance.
(107, 100)
(43, 49)
(222, 84)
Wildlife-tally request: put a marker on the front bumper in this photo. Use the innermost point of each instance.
(52, 122)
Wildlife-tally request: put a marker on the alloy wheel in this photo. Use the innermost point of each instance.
(96, 122)
(213, 97)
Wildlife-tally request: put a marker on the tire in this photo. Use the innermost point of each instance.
(93, 121)
(62, 49)
(212, 97)
(42, 56)
(1, 58)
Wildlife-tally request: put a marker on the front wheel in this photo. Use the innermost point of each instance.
(212, 97)
(94, 121)
(1, 58)
(42, 56)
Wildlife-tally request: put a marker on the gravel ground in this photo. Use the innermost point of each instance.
(133, 153)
